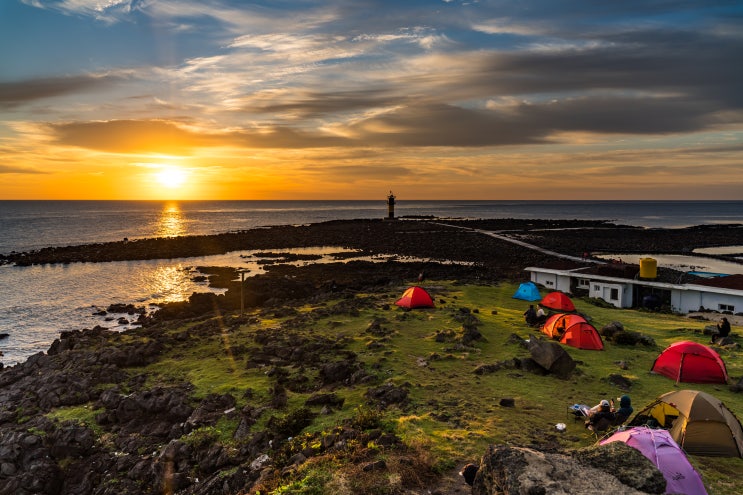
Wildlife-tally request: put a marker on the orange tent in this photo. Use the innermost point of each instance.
(557, 301)
(573, 330)
(415, 297)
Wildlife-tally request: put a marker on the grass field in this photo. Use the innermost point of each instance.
(453, 413)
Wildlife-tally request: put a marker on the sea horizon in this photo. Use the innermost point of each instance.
(34, 224)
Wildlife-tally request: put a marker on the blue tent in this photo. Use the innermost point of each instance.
(528, 292)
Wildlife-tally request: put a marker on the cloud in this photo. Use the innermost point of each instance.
(11, 169)
(366, 86)
(130, 136)
(16, 93)
(152, 136)
(351, 172)
(109, 11)
(315, 104)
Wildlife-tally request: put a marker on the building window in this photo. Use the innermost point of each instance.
(583, 283)
(726, 307)
(597, 288)
(614, 295)
(548, 282)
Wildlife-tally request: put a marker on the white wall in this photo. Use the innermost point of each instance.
(548, 280)
(687, 301)
(682, 300)
(552, 281)
(603, 290)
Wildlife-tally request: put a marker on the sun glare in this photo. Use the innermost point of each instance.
(171, 177)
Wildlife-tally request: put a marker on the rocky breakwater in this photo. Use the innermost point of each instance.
(577, 237)
(424, 239)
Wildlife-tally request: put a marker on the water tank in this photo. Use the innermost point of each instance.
(648, 268)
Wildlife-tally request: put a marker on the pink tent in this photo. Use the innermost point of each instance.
(659, 447)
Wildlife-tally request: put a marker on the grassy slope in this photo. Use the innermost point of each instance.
(455, 414)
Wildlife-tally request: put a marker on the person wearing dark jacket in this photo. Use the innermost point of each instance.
(530, 315)
(723, 330)
(602, 418)
(625, 410)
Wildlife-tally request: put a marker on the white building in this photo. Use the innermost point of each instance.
(628, 293)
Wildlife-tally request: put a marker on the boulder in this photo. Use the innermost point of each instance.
(71, 441)
(387, 394)
(551, 356)
(627, 464)
(519, 470)
(725, 341)
(620, 381)
(470, 334)
(213, 407)
(330, 399)
(610, 329)
(339, 372)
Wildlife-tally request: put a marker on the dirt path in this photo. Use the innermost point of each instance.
(527, 245)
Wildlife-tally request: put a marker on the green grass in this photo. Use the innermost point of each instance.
(454, 414)
(82, 415)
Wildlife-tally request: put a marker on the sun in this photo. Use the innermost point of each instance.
(171, 177)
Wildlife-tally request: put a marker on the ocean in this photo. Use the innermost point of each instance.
(38, 302)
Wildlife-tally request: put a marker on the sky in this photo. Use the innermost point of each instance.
(431, 99)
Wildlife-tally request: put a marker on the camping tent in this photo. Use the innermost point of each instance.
(415, 297)
(690, 362)
(573, 330)
(699, 422)
(660, 448)
(557, 301)
(527, 291)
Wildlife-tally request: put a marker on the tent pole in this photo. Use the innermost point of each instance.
(681, 366)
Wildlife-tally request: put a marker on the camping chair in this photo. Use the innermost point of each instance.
(581, 412)
(601, 426)
(578, 411)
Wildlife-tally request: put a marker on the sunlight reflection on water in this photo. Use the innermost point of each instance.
(38, 302)
(170, 223)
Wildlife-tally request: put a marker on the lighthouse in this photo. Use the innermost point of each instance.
(391, 206)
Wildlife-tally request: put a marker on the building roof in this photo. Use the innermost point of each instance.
(727, 282)
(695, 285)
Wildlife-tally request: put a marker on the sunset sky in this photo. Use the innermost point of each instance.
(436, 99)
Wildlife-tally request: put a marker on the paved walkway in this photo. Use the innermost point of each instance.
(527, 245)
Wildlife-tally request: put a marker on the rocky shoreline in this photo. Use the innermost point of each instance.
(142, 435)
(442, 239)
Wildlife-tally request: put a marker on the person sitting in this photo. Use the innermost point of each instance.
(541, 316)
(723, 330)
(530, 316)
(625, 410)
(601, 417)
(469, 472)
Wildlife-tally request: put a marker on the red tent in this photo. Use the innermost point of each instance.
(558, 301)
(573, 330)
(415, 297)
(690, 362)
